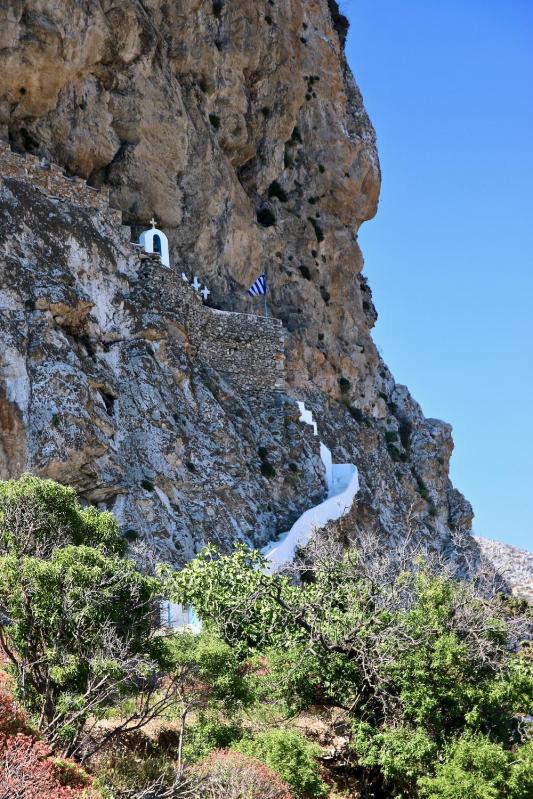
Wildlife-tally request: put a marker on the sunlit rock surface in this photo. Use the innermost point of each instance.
(239, 126)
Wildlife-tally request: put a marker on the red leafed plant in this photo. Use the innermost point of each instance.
(27, 770)
(231, 775)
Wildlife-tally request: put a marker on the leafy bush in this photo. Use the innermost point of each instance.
(267, 470)
(344, 384)
(79, 633)
(289, 755)
(232, 775)
(478, 768)
(421, 659)
(37, 516)
(210, 733)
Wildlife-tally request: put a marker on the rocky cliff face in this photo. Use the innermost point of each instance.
(513, 564)
(240, 127)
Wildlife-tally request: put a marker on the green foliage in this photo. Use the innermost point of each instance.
(78, 636)
(289, 755)
(344, 384)
(266, 217)
(400, 754)
(417, 660)
(213, 665)
(210, 732)
(267, 470)
(478, 768)
(70, 618)
(216, 586)
(36, 516)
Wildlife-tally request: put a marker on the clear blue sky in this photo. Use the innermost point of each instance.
(449, 256)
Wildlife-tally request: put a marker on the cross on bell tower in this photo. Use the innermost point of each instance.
(154, 240)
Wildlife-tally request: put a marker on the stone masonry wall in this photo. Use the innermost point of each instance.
(244, 348)
(247, 349)
(52, 179)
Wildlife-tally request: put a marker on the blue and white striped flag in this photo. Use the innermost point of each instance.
(259, 286)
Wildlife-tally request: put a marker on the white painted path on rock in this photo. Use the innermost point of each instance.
(343, 484)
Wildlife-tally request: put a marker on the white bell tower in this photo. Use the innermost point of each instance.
(154, 240)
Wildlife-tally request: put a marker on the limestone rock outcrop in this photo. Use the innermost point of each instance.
(513, 564)
(240, 127)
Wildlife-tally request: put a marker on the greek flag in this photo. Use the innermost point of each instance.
(259, 286)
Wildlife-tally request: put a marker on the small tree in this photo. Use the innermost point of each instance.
(413, 658)
(75, 616)
(207, 673)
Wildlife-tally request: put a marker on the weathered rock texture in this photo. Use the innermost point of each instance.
(515, 565)
(240, 127)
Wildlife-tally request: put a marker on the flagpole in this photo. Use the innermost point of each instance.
(265, 295)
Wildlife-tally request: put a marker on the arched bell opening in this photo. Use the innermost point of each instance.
(154, 240)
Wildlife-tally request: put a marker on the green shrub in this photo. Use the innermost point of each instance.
(357, 413)
(289, 755)
(208, 734)
(39, 515)
(76, 603)
(473, 767)
(438, 682)
(127, 772)
(400, 753)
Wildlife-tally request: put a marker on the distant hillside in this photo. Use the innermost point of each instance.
(516, 565)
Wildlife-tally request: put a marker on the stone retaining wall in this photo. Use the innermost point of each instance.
(52, 180)
(249, 350)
